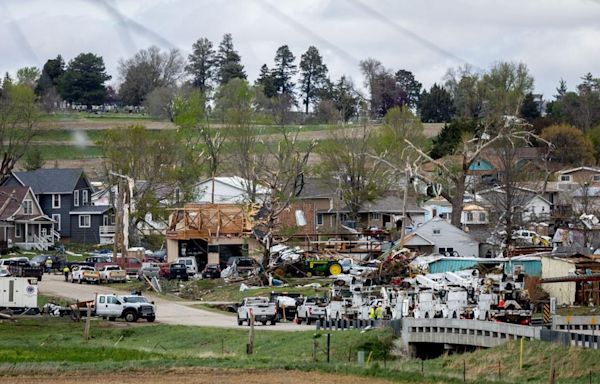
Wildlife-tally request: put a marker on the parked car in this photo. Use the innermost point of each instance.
(190, 264)
(246, 266)
(178, 271)
(150, 270)
(112, 273)
(4, 272)
(211, 271)
(84, 273)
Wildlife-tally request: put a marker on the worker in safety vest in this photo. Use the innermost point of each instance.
(66, 272)
(379, 312)
(49, 265)
(372, 313)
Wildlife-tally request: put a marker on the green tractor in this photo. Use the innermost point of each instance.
(314, 267)
(309, 268)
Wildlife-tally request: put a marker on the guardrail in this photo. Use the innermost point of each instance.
(464, 332)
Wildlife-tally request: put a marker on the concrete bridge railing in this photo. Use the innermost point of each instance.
(464, 332)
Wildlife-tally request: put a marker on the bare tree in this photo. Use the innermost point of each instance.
(192, 118)
(282, 175)
(234, 102)
(345, 162)
(18, 118)
(453, 173)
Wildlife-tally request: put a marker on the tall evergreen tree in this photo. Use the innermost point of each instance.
(83, 81)
(410, 87)
(530, 109)
(229, 61)
(51, 73)
(266, 81)
(284, 70)
(314, 75)
(436, 106)
(201, 65)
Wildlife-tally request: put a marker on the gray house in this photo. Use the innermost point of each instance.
(65, 196)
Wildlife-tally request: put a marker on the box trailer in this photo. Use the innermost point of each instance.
(19, 294)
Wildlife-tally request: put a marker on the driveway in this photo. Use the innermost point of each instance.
(168, 312)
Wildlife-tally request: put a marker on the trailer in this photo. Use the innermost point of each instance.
(19, 295)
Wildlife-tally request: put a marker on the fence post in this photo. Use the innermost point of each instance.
(464, 371)
(328, 345)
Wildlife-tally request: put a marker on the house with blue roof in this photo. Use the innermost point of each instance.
(65, 196)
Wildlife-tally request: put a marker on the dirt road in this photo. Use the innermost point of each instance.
(168, 312)
(197, 375)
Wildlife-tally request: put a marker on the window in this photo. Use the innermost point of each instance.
(469, 216)
(84, 196)
(76, 198)
(376, 216)
(319, 219)
(17, 230)
(565, 178)
(56, 217)
(84, 221)
(596, 178)
(102, 299)
(482, 217)
(55, 201)
(28, 207)
(437, 231)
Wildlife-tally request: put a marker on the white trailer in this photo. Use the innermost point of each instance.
(19, 294)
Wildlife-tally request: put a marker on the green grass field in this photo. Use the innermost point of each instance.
(50, 345)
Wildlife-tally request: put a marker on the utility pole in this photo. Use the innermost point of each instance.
(125, 207)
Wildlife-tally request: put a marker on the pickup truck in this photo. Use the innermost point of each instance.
(259, 308)
(128, 307)
(84, 273)
(112, 273)
(131, 265)
(312, 308)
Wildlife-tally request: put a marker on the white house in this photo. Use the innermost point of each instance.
(226, 190)
(439, 236)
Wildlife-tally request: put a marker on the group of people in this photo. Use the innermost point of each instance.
(376, 312)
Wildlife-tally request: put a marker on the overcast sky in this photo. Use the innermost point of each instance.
(554, 38)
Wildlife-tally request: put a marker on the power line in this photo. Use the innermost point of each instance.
(307, 31)
(405, 31)
(131, 24)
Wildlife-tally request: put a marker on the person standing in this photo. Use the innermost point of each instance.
(49, 265)
(66, 272)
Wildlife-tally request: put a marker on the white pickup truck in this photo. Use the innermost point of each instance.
(128, 307)
(84, 273)
(312, 308)
(112, 273)
(258, 307)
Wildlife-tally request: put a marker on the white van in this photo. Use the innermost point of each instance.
(190, 264)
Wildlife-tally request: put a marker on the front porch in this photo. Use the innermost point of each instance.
(32, 234)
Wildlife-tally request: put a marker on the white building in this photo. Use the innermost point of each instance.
(439, 236)
(226, 190)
